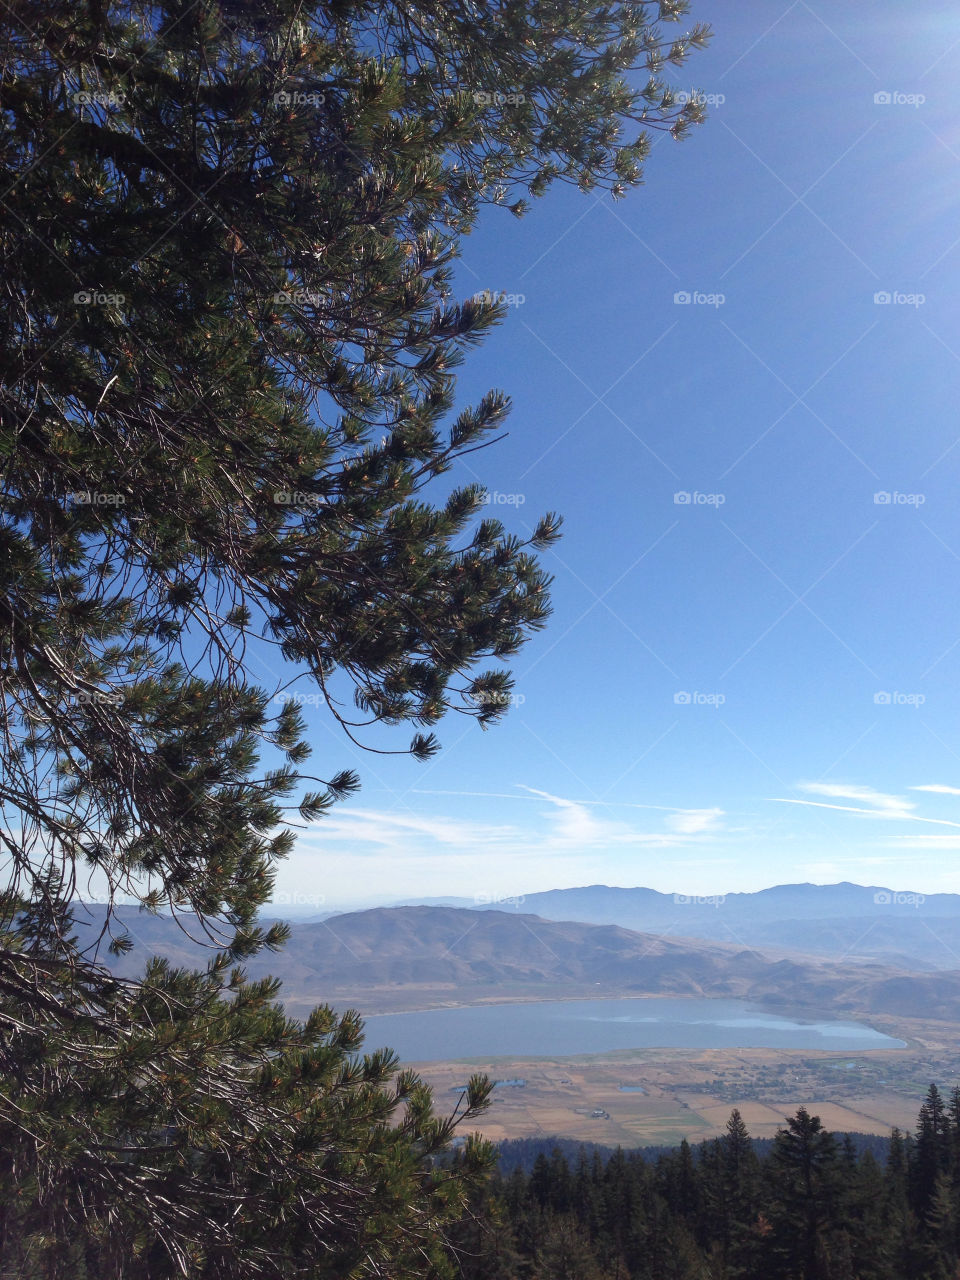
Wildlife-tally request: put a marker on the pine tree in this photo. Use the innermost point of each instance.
(866, 1224)
(228, 356)
(484, 1241)
(932, 1152)
(937, 1248)
(804, 1174)
(565, 1252)
(813, 1208)
(740, 1174)
(185, 1126)
(227, 353)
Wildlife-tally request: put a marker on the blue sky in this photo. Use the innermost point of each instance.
(760, 684)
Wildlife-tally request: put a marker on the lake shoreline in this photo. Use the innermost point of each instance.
(885, 1024)
(552, 1028)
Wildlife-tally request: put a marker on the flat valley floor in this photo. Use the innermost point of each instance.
(690, 1093)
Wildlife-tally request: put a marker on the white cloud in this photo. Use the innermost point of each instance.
(938, 788)
(566, 824)
(353, 854)
(691, 822)
(573, 823)
(390, 828)
(882, 805)
(852, 791)
(868, 813)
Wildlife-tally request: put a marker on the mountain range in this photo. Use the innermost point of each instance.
(838, 921)
(427, 956)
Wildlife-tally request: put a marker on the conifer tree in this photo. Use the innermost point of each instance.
(932, 1151)
(804, 1174)
(226, 379)
(730, 1191)
(937, 1249)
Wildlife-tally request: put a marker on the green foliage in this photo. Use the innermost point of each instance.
(228, 347)
(183, 1125)
(811, 1209)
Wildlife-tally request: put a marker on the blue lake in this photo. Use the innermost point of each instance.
(559, 1027)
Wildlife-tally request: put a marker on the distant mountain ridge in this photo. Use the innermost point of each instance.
(417, 957)
(857, 922)
(814, 901)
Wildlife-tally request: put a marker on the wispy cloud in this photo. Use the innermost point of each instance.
(873, 804)
(570, 822)
(938, 788)
(553, 840)
(564, 824)
(692, 822)
(851, 791)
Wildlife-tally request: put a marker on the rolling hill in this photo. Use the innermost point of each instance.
(420, 957)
